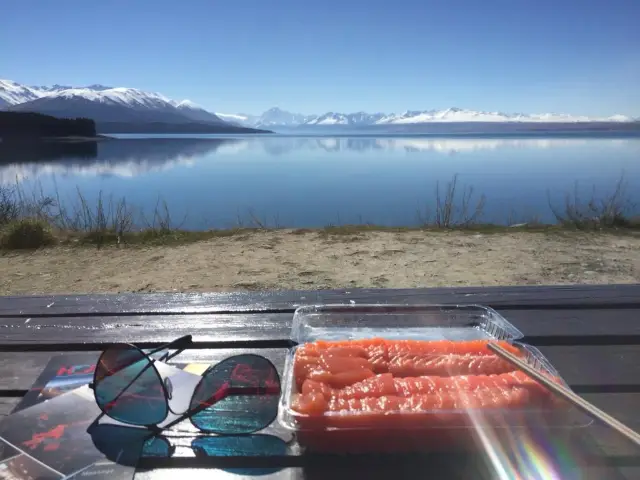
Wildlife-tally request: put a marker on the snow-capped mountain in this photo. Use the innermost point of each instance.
(272, 117)
(104, 104)
(196, 112)
(116, 105)
(12, 93)
(462, 115)
(238, 118)
(276, 117)
(358, 118)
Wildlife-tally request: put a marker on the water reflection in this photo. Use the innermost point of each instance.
(122, 158)
(287, 145)
(135, 157)
(319, 180)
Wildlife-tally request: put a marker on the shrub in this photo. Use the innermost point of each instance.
(27, 233)
(615, 210)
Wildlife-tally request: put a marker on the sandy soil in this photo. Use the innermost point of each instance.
(290, 260)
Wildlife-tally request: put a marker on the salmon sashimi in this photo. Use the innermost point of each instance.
(321, 360)
(402, 393)
(332, 369)
(342, 379)
(411, 365)
(385, 385)
(484, 398)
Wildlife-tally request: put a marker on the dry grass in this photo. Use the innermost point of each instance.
(113, 221)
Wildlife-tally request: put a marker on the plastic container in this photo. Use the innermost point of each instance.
(420, 429)
(421, 322)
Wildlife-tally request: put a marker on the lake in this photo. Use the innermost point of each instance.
(314, 181)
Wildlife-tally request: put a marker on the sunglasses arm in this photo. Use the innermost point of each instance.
(179, 344)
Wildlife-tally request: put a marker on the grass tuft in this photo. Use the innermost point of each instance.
(451, 210)
(614, 211)
(26, 234)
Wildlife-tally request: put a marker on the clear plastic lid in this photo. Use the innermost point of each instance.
(422, 322)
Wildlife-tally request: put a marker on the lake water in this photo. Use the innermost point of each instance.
(311, 181)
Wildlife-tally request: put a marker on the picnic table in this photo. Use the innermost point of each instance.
(591, 334)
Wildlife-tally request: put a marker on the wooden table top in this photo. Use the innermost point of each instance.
(591, 334)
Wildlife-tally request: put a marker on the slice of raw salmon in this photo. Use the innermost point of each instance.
(385, 384)
(341, 379)
(401, 357)
(485, 398)
(415, 365)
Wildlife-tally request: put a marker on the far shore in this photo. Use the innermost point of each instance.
(64, 139)
(324, 259)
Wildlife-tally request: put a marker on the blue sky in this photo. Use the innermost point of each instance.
(572, 56)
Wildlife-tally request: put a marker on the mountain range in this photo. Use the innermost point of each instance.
(123, 109)
(276, 117)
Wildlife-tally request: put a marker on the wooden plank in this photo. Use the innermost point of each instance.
(548, 327)
(522, 297)
(7, 404)
(537, 453)
(591, 369)
(579, 326)
(444, 469)
(623, 473)
(618, 405)
(613, 384)
(210, 328)
(445, 466)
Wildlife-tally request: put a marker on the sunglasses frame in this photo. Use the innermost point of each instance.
(179, 344)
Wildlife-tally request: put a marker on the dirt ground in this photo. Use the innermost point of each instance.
(287, 259)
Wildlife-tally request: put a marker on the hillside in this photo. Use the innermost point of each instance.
(17, 125)
(171, 128)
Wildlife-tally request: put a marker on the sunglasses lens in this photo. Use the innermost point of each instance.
(128, 388)
(241, 394)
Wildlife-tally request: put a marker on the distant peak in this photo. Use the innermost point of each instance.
(99, 87)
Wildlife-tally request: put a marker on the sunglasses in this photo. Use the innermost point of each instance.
(238, 395)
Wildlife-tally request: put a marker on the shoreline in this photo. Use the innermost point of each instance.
(166, 235)
(322, 259)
